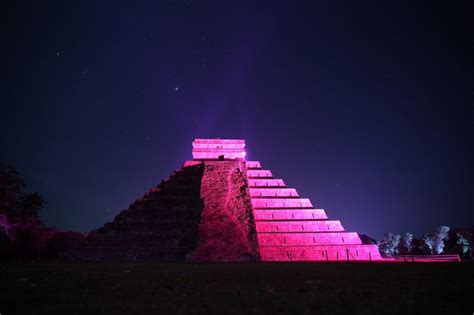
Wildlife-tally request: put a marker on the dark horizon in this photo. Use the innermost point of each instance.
(367, 110)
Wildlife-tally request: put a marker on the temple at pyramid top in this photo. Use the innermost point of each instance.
(218, 149)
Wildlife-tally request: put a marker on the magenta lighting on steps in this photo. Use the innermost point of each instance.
(288, 227)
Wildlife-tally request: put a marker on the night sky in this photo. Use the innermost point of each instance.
(367, 109)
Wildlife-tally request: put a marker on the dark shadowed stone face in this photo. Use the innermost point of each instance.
(202, 212)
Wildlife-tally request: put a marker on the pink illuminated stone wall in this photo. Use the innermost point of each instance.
(289, 214)
(321, 253)
(289, 228)
(259, 173)
(281, 202)
(308, 238)
(299, 226)
(211, 149)
(265, 183)
(273, 192)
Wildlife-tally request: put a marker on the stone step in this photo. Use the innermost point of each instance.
(298, 239)
(281, 203)
(253, 165)
(273, 192)
(266, 183)
(289, 214)
(321, 253)
(259, 174)
(299, 226)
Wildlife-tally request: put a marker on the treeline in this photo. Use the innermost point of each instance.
(441, 240)
(23, 236)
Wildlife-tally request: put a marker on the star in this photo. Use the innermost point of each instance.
(176, 88)
(58, 53)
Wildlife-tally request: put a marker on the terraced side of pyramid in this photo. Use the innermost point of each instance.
(163, 225)
(289, 228)
(202, 212)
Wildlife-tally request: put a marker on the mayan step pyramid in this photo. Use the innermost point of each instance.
(220, 207)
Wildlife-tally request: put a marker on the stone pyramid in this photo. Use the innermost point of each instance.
(220, 207)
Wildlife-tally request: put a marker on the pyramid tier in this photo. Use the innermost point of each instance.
(262, 203)
(259, 174)
(253, 165)
(289, 214)
(273, 192)
(310, 238)
(258, 182)
(321, 253)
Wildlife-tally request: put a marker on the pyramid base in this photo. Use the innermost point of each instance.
(333, 253)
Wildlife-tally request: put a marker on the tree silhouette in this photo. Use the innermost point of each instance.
(15, 204)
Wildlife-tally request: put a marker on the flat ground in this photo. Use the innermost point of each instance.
(298, 288)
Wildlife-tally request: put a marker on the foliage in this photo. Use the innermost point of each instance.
(388, 244)
(434, 242)
(31, 241)
(23, 236)
(62, 241)
(463, 243)
(6, 236)
(441, 240)
(406, 244)
(15, 204)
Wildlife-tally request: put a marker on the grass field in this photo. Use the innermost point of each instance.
(277, 288)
